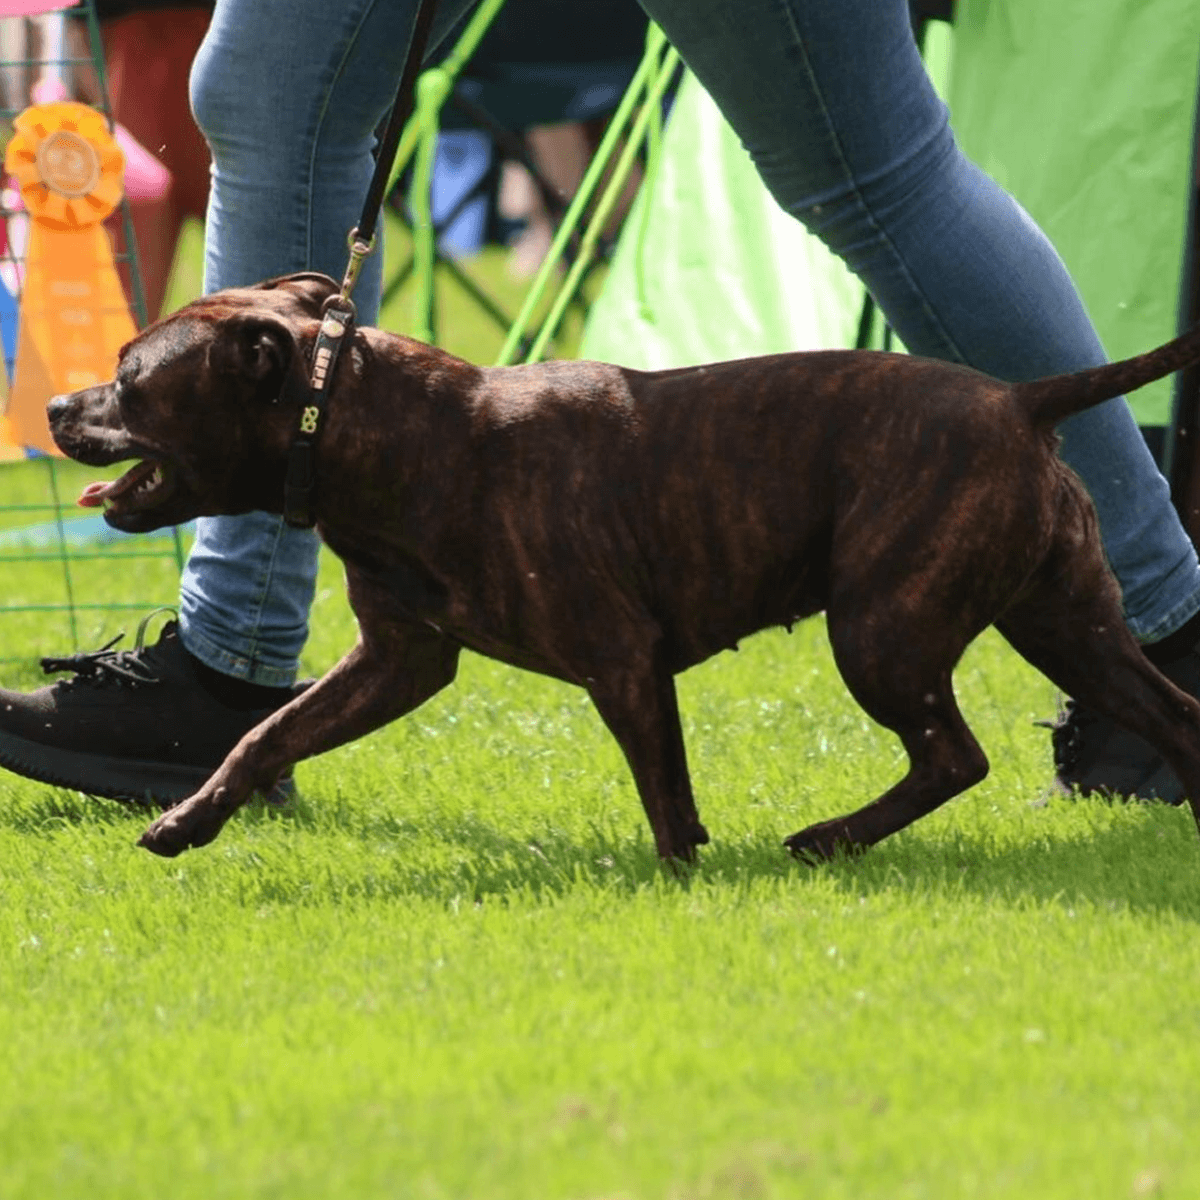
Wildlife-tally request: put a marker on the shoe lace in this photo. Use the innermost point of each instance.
(108, 666)
(1069, 733)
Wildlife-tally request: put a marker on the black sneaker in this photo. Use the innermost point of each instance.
(1094, 754)
(130, 724)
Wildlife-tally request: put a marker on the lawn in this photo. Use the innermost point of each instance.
(454, 967)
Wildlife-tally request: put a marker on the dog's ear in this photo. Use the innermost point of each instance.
(309, 288)
(255, 349)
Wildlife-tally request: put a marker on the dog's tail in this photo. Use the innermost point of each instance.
(1050, 400)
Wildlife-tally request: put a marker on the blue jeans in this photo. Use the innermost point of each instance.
(832, 101)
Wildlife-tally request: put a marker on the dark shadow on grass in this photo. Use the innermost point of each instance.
(1149, 865)
(37, 810)
(1152, 866)
(463, 858)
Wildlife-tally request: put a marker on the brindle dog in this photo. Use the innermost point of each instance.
(613, 527)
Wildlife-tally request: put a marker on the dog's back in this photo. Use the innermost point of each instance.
(725, 488)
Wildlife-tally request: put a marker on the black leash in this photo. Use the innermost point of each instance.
(338, 313)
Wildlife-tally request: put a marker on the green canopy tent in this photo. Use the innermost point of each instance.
(1084, 111)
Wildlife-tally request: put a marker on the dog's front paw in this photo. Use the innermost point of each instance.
(194, 822)
(820, 843)
(679, 846)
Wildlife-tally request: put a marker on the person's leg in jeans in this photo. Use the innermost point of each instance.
(832, 101)
(291, 166)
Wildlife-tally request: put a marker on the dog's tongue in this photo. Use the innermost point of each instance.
(93, 495)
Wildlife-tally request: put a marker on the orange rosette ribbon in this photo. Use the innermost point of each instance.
(74, 317)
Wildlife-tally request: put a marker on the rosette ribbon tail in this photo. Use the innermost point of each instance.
(74, 317)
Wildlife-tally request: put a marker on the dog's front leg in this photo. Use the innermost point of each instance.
(639, 706)
(379, 680)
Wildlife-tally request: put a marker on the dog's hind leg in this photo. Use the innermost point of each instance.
(903, 683)
(638, 704)
(1082, 645)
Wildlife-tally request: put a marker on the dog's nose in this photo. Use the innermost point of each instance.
(57, 408)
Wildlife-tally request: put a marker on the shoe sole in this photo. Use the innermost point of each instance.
(155, 784)
(1159, 784)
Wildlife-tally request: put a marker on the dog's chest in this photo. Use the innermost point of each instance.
(413, 588)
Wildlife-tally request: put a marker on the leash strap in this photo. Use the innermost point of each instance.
(338, 313)
(402, 109)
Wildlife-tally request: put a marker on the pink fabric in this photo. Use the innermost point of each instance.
(48, 90)
(29, 8)
(145, 177)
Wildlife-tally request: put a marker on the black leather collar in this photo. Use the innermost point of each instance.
(299, 488)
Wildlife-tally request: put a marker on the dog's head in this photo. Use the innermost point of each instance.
(197, 401)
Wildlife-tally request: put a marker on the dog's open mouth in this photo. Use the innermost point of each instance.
(141, 487)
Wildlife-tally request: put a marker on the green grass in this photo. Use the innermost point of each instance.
(455, 968)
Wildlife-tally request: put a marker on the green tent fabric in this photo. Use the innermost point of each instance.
(708, 266)
(1084, 111)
